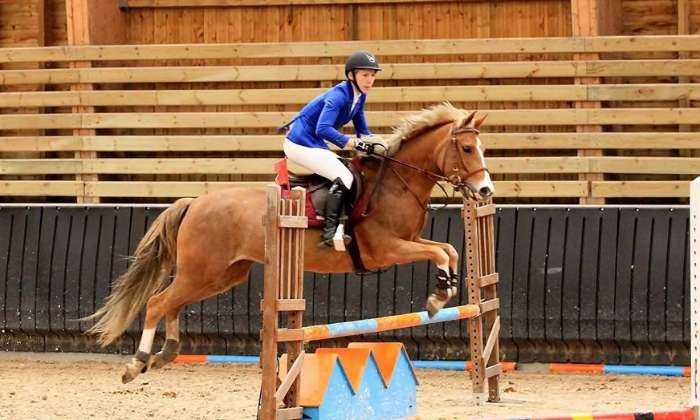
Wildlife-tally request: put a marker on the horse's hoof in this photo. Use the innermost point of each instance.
(434, 304)
(157, 361)
(160, 359)
(168, 354)
(133, 369)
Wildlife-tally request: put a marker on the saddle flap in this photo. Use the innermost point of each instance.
(317, 188)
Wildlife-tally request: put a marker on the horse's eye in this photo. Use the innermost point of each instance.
(467, 149)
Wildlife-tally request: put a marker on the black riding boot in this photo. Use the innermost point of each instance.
(334, 210)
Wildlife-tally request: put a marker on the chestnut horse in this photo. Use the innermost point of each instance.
(213, 240)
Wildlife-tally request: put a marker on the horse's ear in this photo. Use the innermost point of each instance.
(480, 121)
(469, 119)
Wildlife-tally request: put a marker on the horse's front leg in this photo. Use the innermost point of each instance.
(444, 290)
(402, 251)
(451, 252)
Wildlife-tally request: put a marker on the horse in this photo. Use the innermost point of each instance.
(213, 240)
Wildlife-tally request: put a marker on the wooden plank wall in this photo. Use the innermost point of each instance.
(351, 22)
(450, 19)
(347, 20)
(28, 23)
(657, 17)
(19, 24)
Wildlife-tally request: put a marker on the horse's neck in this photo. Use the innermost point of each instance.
(420, 153)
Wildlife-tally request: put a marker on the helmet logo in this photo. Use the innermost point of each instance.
(371, 58)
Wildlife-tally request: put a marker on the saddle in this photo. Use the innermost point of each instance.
(317, 191)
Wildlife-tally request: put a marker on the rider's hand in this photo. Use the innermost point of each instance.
(378, 144)
(362, 146)
(359, 146)
(371, 145)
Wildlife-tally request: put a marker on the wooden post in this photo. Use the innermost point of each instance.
(40, 42)
(77, 18)
(584, 23)
(591, 18)
(482, 282)
(683, 12)
(268, 354)
(285, 224)
(293, 262)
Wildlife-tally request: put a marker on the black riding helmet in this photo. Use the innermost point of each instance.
(360, 60)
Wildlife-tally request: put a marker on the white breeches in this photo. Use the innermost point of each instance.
(320, 161)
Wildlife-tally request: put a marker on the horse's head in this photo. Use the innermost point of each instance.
(456, 156)
(460, 157)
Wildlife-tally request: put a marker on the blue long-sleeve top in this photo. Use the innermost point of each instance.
(321, 118)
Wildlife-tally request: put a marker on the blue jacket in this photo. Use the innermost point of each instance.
(321, 118)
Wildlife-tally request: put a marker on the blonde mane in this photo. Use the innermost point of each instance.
(435, 115)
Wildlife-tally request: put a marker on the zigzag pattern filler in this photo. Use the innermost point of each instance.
(364, 380)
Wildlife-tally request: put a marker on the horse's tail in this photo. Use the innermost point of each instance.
(151, 264)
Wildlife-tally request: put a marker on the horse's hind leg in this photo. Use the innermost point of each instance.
(157, 306)
(171, 348)
(183, 291)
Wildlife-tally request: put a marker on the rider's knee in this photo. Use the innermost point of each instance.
(347, 180)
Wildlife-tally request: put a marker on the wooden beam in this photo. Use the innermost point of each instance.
(640, 189)
(382, 119)
(42, 188)
(290, 378)
(554, 117)
(151, 4)
(290, 413)
(683, 13)
(494, 370)
(492, 338)
(490, 305)
(488, 280)
(264, 166)
(171, 189)
(422, 47)
(270, 318)
(151, 189)
(41, 22)
(78, 24)
(644, 165)
(429, 94)
(273, 143)
(407, 71)
(584, 20)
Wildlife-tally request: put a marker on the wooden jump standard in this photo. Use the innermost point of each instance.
(285, 222)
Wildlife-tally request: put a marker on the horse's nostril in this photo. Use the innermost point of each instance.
(485, 191)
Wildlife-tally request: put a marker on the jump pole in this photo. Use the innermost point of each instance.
(387, 323)
(285, 222)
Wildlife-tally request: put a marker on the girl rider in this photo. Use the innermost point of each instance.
(319, 122)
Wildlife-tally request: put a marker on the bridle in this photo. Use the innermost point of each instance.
(458, 163)
(455, 162)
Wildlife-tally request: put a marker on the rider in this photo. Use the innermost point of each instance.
(319, 122)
